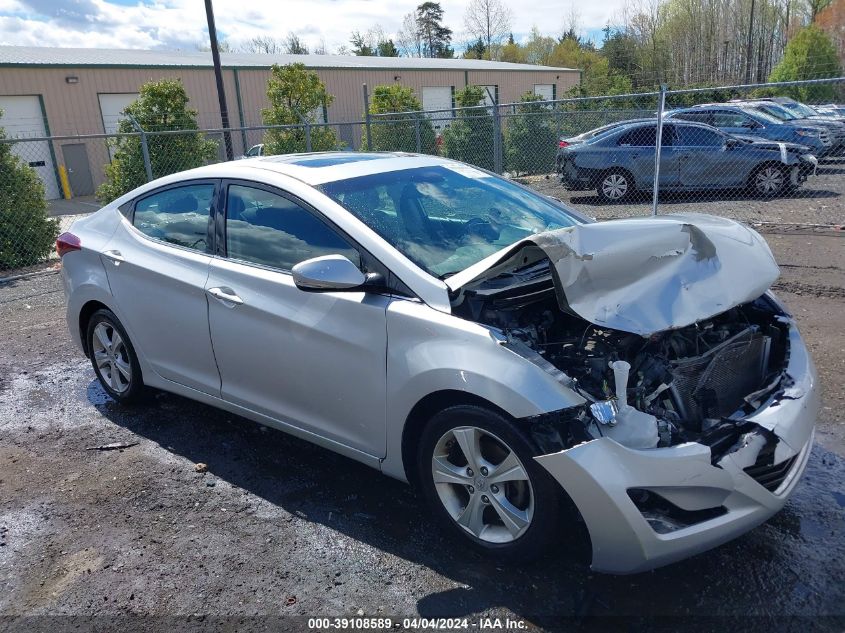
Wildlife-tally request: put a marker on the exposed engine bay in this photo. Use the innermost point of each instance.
(645, 391)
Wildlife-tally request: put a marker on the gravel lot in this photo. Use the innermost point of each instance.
(277, 527)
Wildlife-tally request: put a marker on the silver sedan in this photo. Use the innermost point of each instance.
(465, 334)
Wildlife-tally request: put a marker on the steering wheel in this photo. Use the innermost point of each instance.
(481, 228)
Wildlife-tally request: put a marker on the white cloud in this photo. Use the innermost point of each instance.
(181, 23)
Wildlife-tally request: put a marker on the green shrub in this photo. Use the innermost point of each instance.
(296, 93)
(530, 138)
(26, 233)
(469, 138)
(398, 132)
(161, 106)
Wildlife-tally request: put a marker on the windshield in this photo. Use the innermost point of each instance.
(445, 218)
(762, 112)
(776, 111)
(800, 109)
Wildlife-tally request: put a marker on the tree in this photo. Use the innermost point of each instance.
(296, 94)
(222, 46)
(386, 48)
(161, 106)
(809, 55)
(476, 50)
(294, 46)
(530, 137)
(373, 43)
(470, 136)
(410, 37)
(26, 233)
(513, 52)
(360, 46)
(263, 44)
(398, 132)
(488, 21)
(539, 47)
(436, 38)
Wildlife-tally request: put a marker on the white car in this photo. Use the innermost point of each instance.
(466, 334)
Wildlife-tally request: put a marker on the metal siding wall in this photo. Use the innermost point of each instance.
(74, 108)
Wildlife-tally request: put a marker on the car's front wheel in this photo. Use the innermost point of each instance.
(114, 358)
(616, 185)
(478, 474)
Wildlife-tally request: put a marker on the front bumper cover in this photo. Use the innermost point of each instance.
(599, 474)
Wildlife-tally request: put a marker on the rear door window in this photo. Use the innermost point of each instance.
(178, 215)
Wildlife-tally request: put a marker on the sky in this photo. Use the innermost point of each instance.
(181, 24)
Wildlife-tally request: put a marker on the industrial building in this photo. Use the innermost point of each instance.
(74, 91)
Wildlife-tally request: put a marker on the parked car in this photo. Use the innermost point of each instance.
(836, 129)
(801, 110)
(252, 152)
(693, 157)
(467, 334)
(586, 136)
(832, 110)
(736, 119)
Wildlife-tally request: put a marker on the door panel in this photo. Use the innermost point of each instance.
(314, 360)
(78, 169)
(161, 292)
(157, 273)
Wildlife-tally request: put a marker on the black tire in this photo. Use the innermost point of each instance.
(542, 532)
(764, 177)
(134, 390)
(615, 185)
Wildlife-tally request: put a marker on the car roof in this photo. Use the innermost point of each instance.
(321, 167)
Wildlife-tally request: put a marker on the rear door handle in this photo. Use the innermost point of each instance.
(226, 295)
(116, 258)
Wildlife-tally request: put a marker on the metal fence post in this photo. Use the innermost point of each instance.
(417, 133)
(145, 150)
(367, 118)
(307, 125)
(661, 104)
(498, 165)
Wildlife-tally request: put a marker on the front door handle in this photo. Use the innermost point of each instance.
(226, 295)
(116, 258)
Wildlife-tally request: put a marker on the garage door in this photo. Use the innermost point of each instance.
(111, 106)
(22, 118)
(490, 90)
(438, 98)
(547, 91)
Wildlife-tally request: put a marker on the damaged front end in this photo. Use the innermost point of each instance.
(700, 409)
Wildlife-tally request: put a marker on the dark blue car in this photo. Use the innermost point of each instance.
(739, 119)
(694, 157)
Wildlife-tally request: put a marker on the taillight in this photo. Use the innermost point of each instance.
(67, 242)
(562, 144)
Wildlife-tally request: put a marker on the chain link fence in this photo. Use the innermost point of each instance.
(755, 153)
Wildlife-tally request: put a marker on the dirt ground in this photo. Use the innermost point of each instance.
(278, 528)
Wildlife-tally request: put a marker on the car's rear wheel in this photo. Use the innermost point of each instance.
(616, 185)
(113, 357)
(769, 181)
(479, 476)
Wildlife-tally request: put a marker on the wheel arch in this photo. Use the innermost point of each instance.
(85, 313)
(424, 410)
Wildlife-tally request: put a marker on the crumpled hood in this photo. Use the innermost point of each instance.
(643, 275)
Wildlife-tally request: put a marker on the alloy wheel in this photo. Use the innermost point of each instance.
(769, 180)
(482, 484)
(111, 357)
(615, 186)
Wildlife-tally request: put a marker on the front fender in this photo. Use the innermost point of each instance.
(429, 351)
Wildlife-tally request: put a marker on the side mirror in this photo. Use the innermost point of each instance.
(329, 272)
